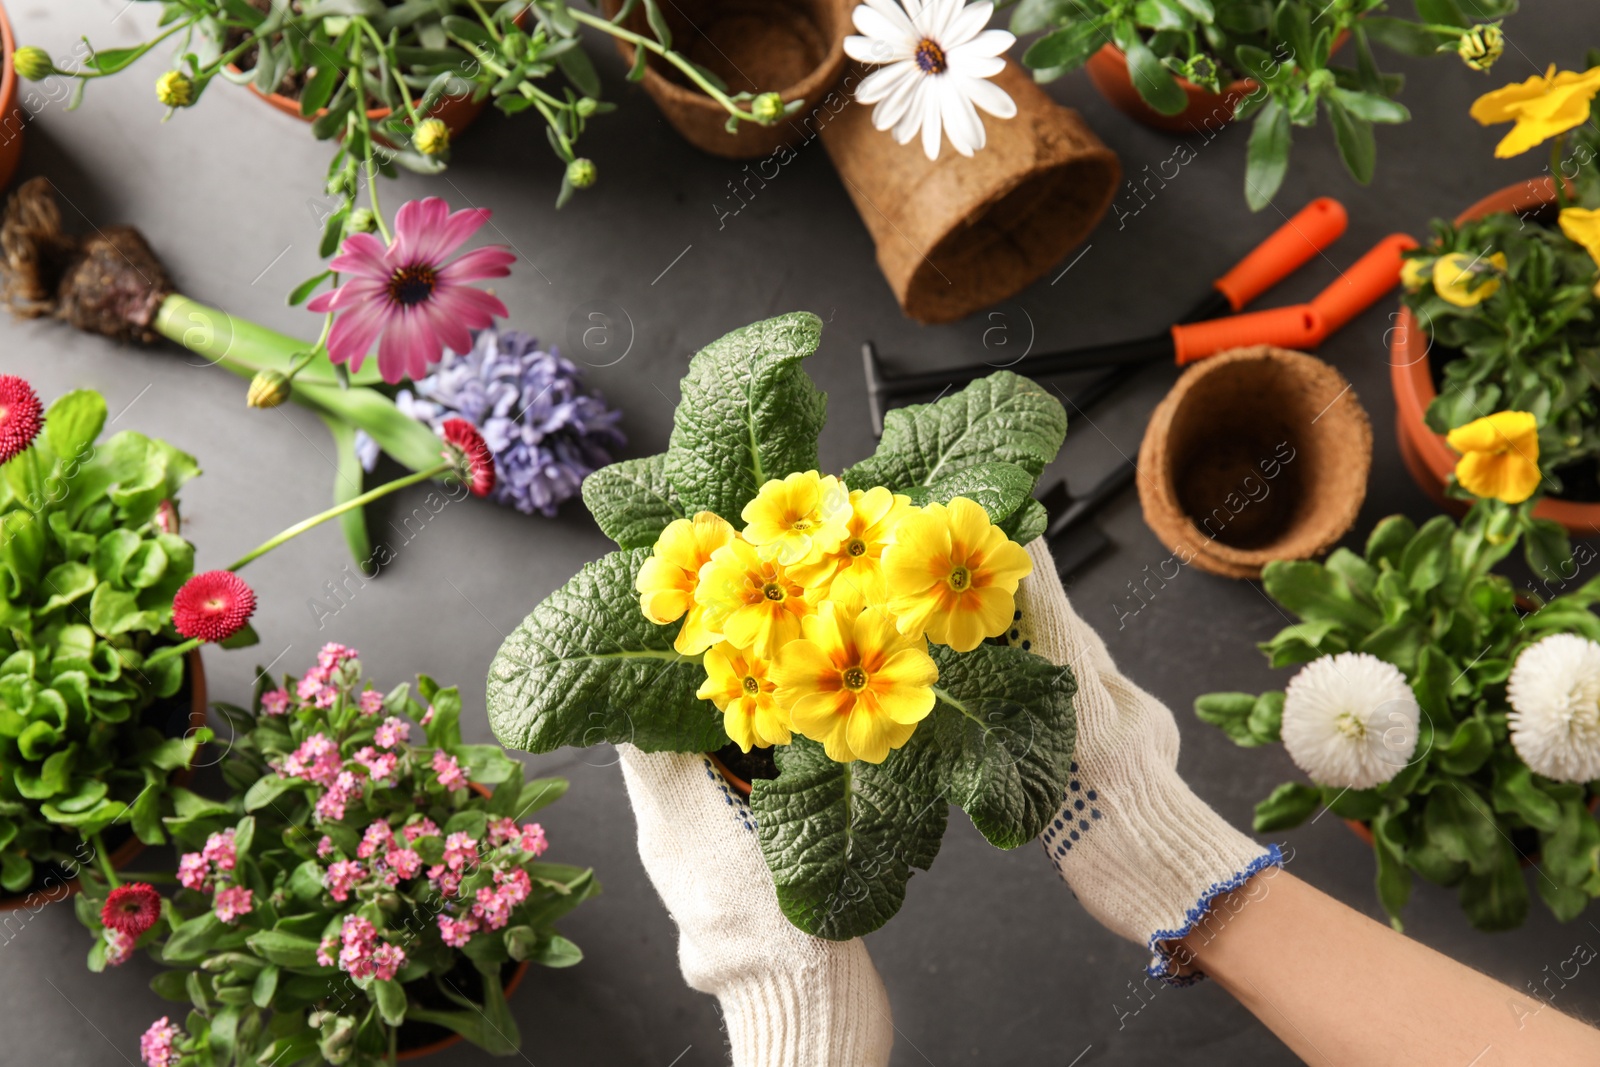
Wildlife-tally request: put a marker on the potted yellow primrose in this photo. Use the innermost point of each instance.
(1454, 722)
(833, 638)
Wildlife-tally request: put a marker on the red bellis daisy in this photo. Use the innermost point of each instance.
(21, 415)
(131, 909)
(213, 606)
(468, 450)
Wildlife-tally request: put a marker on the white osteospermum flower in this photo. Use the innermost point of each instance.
(936, 56)
(1350, 720)
(1555, 698)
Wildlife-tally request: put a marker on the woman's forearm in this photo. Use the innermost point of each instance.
(1339, 988)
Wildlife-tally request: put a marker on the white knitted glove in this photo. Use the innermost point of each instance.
(1143, 854)
(788, 999)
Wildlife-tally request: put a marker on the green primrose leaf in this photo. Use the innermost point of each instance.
(750, 379)
(587, 667)
(1028, 522)
(999, 488)
(632, 501)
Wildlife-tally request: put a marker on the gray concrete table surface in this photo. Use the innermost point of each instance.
(991, 961)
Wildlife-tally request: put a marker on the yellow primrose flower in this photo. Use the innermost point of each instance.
(754, 603)
(853, 574)
(798, 518)
(1499, 456)
(666, 583)
(856, 684)
(739, 685)
(1582, 227)
(1541, 107)
(1467, 280)
(952, 574)
(1415, 273)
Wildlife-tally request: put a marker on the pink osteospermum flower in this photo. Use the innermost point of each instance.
(157, 1045)
(232, 903)
(410, 297)
(275, 703)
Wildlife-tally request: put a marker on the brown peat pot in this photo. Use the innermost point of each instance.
(1257, 454)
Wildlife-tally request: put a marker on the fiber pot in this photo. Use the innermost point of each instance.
(1427, 455)
(792, 47)
(957, 235)
(11, 116)
(1257, 454)
(1108, 70)
(55, 885)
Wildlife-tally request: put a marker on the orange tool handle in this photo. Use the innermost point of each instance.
(1298, 326)
(1313, 228)
(1359, 287)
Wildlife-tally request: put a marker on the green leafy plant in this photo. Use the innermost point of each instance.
(1463, 808)
(89, 562)
(352, 896)
(1527, 336)
(1285, 47)
(841, 831)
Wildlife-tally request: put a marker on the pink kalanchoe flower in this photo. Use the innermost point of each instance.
(492, 909)
(371, 702)
(404, 862)
(324, 847)
(119, 947)
(275, 703)
(457, 932)
(232, 903)
(156, 1046)
(220, 851)
(533, 839)
(410, 297)
(341, 878)
(449, 772)
(460, 850)
(392, 732)
(194, 873)
(423, 827)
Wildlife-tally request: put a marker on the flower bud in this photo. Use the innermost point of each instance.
(174, 89)
(586, 107)
(582, 173)
(268, 389)
(167, 520)
(33, 63)
(767, 108)
(361, 220)
(432, 138)
(1202, 70)
(1481, 46)
(1321, 81)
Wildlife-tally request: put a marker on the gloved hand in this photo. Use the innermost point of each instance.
(788, 999)
(1142, 853)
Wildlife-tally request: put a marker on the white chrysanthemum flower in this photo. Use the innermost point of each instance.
(936, 56)
(1555, 699)
(1350, 720)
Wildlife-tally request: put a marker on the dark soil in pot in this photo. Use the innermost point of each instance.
(466, 981)
(757, 763)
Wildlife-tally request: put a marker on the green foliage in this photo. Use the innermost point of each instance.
(88, 570)
(841, 839)
(1532, 345)
(258, 992)
(1285, 46)
(1465, 810)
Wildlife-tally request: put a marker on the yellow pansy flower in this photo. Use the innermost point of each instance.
(753, 602)
(1499, 456)
(1467, 280)
(855, 683)
(1415, 273)
(952, 574)
(1582, 227)
(1541, 107)
(798, 518)
(853, 573)
(739, 685)
(666, 583)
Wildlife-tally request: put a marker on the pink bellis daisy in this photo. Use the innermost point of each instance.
(213, 606)
(21, 415)
(410, 297)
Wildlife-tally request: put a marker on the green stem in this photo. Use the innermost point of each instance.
(339, 509)
(102, 859)
(140, 51)
(650, 44)
(1556, 153)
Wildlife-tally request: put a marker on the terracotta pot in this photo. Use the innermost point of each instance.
(129, 850)
(1426, 454)
(1108, 70)
(455, 1039)
(1257, 454)
(739, 785)
(11, 116)
(957, 235)
(792, 47)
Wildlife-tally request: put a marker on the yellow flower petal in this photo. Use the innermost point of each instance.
(1466, 280)
(1582, 227)
(1503, 431)
(1541, 107)
(1499, 456)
